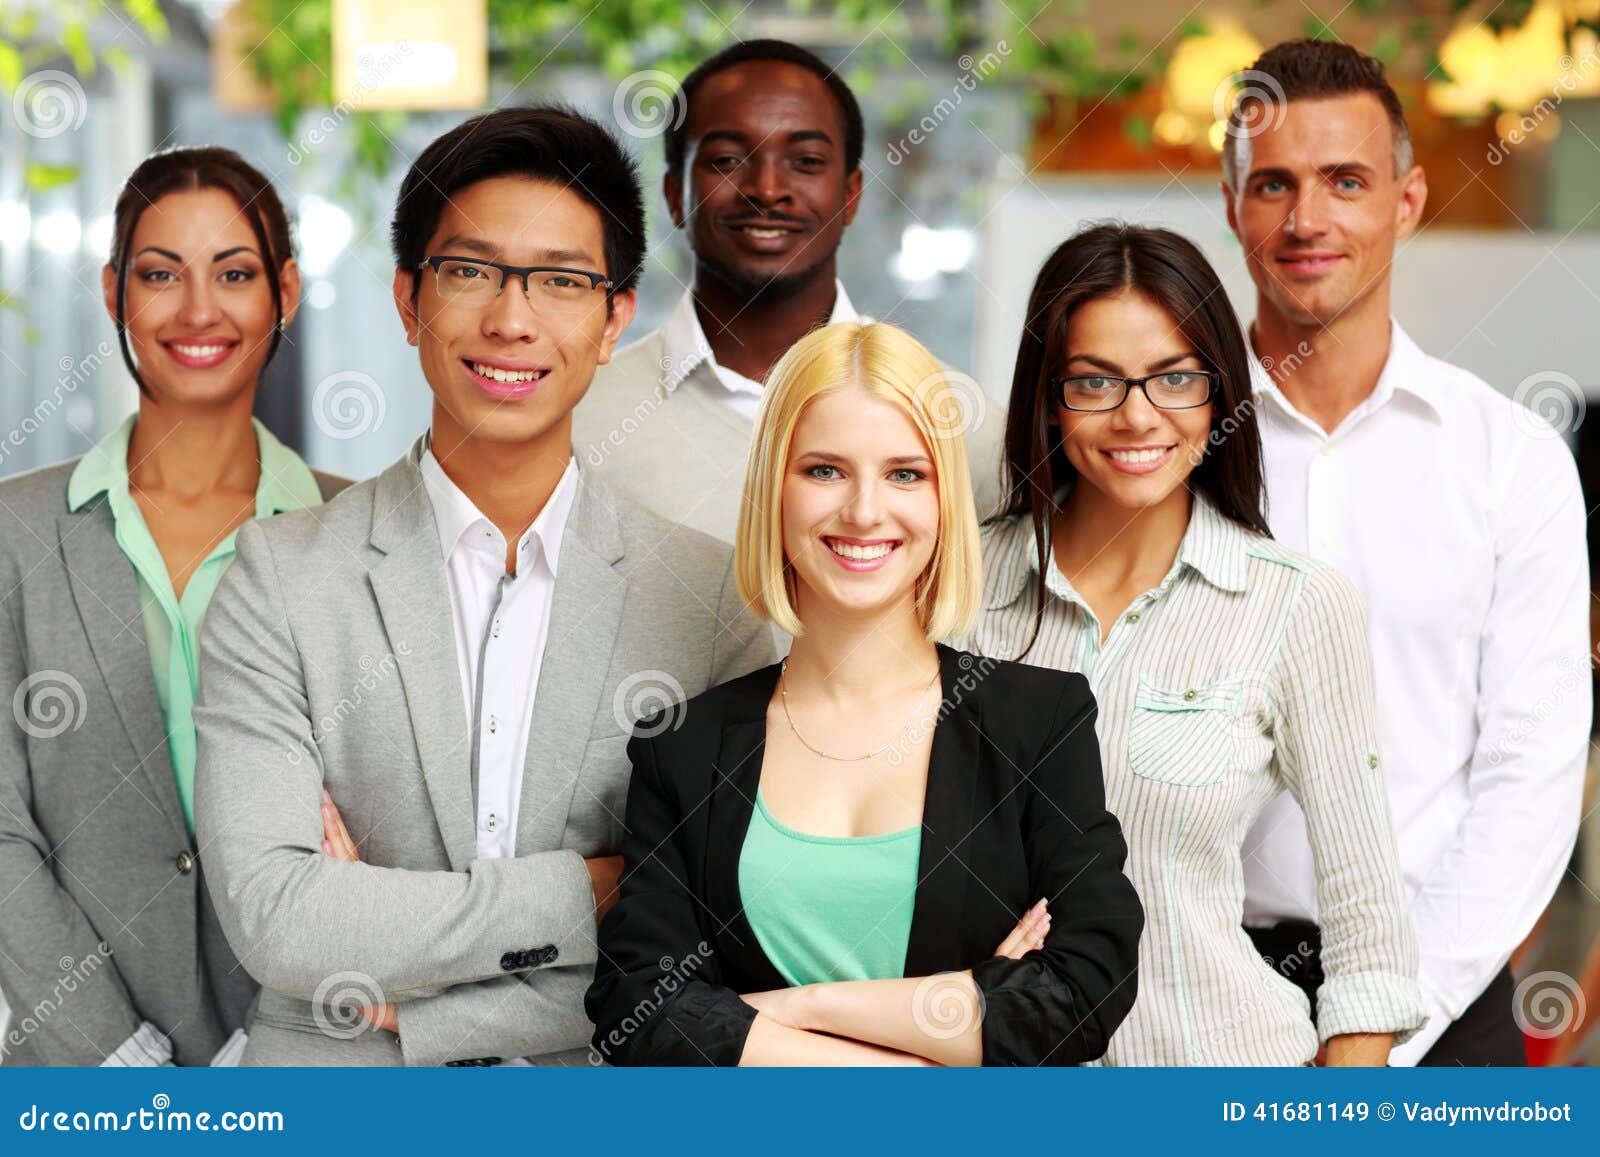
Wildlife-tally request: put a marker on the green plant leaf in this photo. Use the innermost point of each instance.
(41, 178)
(75, 40)
(10, 67)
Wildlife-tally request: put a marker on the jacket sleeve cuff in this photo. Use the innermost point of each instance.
(705, 1025)
(147, 1048)
(1369, 1002)
(227, 1057)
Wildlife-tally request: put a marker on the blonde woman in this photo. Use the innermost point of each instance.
(857, 856)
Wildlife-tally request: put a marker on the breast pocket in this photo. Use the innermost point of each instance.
(1184, 735)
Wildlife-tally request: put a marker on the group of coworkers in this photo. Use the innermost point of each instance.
(752, 694)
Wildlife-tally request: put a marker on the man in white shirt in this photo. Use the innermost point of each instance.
(763, 151)
(1458, 514)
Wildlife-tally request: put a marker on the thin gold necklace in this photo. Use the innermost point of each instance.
(783, 691)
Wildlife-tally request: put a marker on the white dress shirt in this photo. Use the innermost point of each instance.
(1458, 515)
(687, 347)
(501, 623)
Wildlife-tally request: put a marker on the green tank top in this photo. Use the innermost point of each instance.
(829, 907)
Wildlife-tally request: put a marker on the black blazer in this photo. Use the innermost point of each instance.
(1014, 810)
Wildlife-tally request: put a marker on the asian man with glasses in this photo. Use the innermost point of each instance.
(414, 706)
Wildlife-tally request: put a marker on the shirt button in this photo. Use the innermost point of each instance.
(185, 863)
(493, 725)
(1190, 695)
(1133, 616)
(492, 823)
(496, 632)
(1326, 450)
(1372, 762)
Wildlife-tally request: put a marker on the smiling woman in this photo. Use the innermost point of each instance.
(201, 269)
(100, 861)
(810, 831)
(1227, 667)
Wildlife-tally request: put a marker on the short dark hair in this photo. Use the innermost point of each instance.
(1103, 261)
(1309, 69)
(676, 138)
(205, 167)
(546, 142)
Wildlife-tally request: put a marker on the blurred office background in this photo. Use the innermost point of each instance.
(995, 129)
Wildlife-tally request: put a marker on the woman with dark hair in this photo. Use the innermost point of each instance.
(1226, 667)
(110, 952)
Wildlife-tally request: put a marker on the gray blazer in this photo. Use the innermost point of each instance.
(105, 916)
(328, 657)
(671, 443)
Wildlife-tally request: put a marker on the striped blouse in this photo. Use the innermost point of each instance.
(1244, 672)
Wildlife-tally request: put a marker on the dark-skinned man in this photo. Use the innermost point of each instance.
(763, 151)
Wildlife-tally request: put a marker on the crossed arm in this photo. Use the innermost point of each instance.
(298, 917)
(934, 1020)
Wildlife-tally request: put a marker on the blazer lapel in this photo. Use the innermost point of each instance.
(947, 819)
(735, 778)
(106, 592)
(414, 602)
(585, 615)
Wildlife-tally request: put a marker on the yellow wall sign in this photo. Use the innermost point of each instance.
(411, 54)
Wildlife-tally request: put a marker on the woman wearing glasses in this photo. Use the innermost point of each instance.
(1226, 667)
(110, 951)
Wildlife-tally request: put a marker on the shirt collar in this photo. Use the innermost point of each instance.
(686, 346)
(1406, 368)
(455, 514)
(1214, 546)
(286, 482)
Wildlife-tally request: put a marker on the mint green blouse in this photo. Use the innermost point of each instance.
(829, 907)
(172, 625)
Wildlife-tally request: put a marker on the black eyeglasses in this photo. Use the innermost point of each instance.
(1172, 390)
(549, 288)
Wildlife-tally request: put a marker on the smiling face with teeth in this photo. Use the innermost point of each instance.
(764, 195)
(1137, 456)
(198, 307)
(860, 506)
(504, 372)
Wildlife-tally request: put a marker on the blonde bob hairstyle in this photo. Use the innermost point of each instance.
(890, 364)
